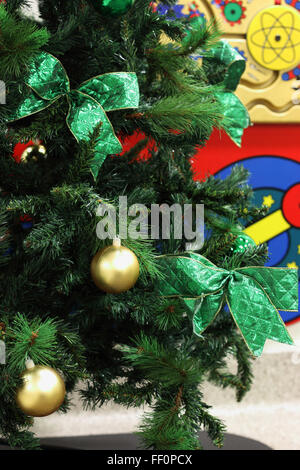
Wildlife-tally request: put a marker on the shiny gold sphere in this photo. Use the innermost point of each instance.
(42, 393)
(115, 269)
(34, 153)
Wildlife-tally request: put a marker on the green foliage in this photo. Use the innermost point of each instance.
(45, 341)
(23, 440)
(194, 115)
(19, 41)
(166, 429)
(156, 361)
(36, 340)
(134, 348)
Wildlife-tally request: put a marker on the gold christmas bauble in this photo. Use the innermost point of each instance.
(43, 391)
(115, 269)
(34, 153)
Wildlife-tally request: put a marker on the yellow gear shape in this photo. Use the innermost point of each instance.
(273, 38)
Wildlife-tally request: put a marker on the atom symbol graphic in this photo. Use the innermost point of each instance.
(276, 38)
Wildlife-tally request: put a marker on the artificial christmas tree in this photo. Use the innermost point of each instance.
(82, 82)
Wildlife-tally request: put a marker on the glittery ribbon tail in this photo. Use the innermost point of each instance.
(236, 114)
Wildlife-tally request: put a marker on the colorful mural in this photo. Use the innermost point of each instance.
(270, 86)
(272, 156)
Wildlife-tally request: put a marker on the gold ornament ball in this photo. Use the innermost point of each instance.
(34, 153)
(115, 269)
(42, 393)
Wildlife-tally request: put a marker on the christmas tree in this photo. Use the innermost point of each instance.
(106, 102)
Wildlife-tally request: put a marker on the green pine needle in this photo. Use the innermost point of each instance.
(19, 41)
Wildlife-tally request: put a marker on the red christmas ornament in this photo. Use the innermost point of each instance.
(32, 150)
(19, 149)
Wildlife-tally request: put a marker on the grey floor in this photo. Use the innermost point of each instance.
(130, 442)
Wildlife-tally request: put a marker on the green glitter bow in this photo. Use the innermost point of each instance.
(233, 109)
(253, 294)
(48, 81)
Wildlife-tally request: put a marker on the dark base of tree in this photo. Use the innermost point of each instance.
(130, 442)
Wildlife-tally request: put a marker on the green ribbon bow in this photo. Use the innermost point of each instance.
(233, 109)
(253, 294)
(48, 81)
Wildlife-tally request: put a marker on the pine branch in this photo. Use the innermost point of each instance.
(19, 41)
(35, 340)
